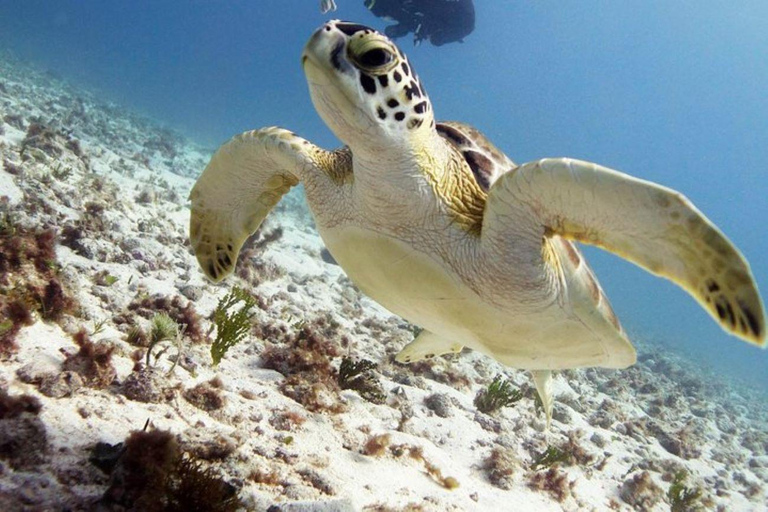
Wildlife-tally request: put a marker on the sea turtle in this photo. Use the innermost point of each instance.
(436, 224)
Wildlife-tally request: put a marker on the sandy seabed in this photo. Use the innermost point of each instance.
(93, 221)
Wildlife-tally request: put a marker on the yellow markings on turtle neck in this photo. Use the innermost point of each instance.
(453, 182)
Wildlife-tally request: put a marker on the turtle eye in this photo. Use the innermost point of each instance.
(372, 54)
(375, 58)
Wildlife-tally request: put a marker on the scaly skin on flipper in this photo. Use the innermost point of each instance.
(244, 180)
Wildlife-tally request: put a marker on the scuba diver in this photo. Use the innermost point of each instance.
(437, 21)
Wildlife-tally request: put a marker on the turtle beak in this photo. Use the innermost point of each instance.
(326, 49)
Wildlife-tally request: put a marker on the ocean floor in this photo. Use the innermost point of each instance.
(93, 245)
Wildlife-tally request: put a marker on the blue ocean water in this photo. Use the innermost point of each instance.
(673, 92)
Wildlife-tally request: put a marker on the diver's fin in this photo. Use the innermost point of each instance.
(426, 345)
(396, 31)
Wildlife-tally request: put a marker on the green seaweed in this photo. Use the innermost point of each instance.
(359, 376)
(549, 457)
(6, 326)
(164, 328)
(498, 394)
(149, 471)
(7, 220)
(351, 369)
(681, 497)
(135, 336)
(232, 324)
(99, 327)
(60, 172)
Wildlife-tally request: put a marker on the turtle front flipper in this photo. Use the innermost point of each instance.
(244, 180)
(652, 226)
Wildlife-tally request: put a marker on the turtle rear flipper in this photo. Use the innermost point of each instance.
(542, 379)
(244, 180)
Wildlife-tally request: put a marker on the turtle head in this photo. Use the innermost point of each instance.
(365, 90)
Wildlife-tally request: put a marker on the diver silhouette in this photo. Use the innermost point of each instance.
(437, 21)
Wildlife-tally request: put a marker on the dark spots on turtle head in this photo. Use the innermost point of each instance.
(383, 80)
(225, 261)
(712, 286)
(399, 116)
(481, 167)
(397, 76)
(420, 108)
(335, 56)
(731, 316)
(368, 83)
(393, 103)
(351, 29)
(452, 134)
(381, 113)
(415, 123)
(406, 69)
(411, 90)
(212, 270)
(229, 246)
